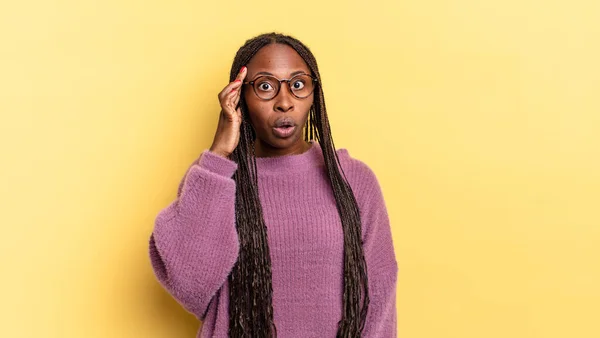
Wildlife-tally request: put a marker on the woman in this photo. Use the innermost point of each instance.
(274, 232)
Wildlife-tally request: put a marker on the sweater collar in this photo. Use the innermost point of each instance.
(311, 158)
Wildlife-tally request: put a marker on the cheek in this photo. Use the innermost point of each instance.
(311, 101)
(307, 103)
(258, 111)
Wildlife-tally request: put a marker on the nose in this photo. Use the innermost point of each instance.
(284, 101)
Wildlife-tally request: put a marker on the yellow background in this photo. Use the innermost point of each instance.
(480, 118)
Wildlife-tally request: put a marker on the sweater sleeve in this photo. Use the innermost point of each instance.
(382, 267)
(194, 244)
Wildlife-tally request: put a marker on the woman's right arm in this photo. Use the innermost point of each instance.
(194, 244)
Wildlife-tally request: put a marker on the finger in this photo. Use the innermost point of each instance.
(239, 79)
(238, 92)
(242, 74)
(238, 112)
(236, 99)
(229, 101)
(229, 88)
(234, 85)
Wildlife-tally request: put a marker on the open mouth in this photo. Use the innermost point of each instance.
(284, 130)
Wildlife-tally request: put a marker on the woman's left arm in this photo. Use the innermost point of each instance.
(378, 246)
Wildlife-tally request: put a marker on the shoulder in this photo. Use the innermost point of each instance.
(355, 167)
(366, 189)
(360, 175)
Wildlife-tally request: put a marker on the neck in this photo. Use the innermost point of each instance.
(263, 149)
(291, 163)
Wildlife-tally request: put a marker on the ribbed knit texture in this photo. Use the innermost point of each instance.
(194, 244)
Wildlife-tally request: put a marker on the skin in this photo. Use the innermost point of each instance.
(281, 61)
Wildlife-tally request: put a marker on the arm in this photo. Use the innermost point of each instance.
(382, 267)
(194, 244)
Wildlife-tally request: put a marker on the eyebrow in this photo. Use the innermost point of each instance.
(291, 75)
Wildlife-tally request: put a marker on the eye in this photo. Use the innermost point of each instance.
(265, 86)
(298, 84)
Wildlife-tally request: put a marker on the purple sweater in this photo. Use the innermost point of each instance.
(195, 244)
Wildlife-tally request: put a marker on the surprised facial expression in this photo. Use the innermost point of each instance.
(278, 121)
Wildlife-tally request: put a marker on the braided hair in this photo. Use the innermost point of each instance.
(251, 290)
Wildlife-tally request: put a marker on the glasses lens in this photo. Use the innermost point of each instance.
(302, 85)
(266, 87)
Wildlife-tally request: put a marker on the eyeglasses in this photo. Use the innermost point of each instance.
(266, 87)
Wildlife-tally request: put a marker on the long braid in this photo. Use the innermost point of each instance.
(251, 290)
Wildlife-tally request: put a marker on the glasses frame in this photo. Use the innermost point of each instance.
(288, 81)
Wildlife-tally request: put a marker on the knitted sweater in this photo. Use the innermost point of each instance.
(195, 244)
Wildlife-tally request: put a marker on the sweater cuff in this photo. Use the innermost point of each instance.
(217, 164)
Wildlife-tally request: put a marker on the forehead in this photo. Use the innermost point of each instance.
(278, 59)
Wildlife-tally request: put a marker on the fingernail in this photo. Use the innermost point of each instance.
(238, 80)
(243, 68)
